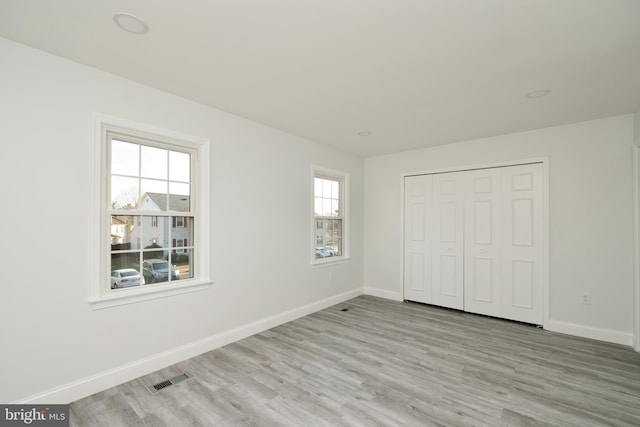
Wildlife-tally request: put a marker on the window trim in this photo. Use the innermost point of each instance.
(343, 177)
(99, 295)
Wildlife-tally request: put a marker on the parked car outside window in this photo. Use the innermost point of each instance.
(126, 278)
(157, 270)
(326, 251)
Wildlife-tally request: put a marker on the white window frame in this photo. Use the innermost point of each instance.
(100, 293)
(343, 177)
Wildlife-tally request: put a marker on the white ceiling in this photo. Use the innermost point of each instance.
(415, 73)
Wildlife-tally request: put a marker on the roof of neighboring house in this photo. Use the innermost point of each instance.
(177, 202)
(122, 219)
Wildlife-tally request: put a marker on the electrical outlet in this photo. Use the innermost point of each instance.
(585, 299)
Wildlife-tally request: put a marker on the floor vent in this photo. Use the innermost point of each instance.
(168, 383)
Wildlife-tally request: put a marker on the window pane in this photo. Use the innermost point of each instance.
(125, 260)
(183, 262)
(125, 271)
(157, 187)
(179, 166)
(317, 206)
(123, 229)
(326, 207)
(124, 192)
(334, 236)
(335, 208)
(153, 202)
(155, 233)
(326, 188)
(154, 162)
(125, 158)
(125, 263)
(179, 203)
(179, 188)
(317, 187)
(335, 190)
(181, 232)
(156, 267)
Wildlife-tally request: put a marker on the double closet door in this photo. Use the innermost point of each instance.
(473, 241)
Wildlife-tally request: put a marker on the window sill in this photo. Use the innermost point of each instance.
(330, 261)
(115, 299)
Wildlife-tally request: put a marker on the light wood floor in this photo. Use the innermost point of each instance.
(387, 363)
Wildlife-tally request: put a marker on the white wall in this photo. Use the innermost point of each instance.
(54, 347)
(591, 222)
(636, 128)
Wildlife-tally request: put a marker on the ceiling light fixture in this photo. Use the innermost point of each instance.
(538, 93)
(130, 23)
(365, 133)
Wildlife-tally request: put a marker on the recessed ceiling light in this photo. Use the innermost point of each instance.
(130, 23)
(538, 93)
(365, 133)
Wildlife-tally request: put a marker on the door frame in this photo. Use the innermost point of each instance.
(545, 222)
(636, 247)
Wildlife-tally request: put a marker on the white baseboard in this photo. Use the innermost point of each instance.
(90, 385)
(608, 335)
(383, 293)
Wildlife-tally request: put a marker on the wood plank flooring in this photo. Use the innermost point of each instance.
(386, 363)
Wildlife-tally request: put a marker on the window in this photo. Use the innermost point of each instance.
(153, 190)
(180, 244)
(329, 216)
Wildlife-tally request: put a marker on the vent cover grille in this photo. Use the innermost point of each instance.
(168, 383)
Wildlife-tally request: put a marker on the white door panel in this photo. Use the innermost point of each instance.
(448, 243)
(482, 242)
(417, 238)
(522, 268)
